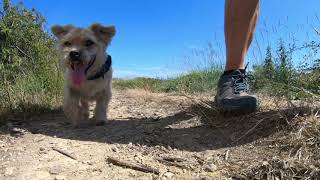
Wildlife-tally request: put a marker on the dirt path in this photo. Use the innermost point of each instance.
(156, 130)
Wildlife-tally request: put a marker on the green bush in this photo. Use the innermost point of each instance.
(29, 69)
(278, 77)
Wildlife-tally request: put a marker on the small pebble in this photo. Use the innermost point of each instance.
(169, 175)
(9, 171)
(60, 177)
(114, 149)
(210, 168)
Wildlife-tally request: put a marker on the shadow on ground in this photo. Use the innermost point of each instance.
(193, 129)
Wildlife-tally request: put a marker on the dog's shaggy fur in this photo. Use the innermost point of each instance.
(81, 47)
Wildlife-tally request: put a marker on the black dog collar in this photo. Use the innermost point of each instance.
(105, 68)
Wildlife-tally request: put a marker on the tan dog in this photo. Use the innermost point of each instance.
(88, 71)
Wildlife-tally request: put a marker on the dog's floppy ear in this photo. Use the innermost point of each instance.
(104, 33)
(60, 31)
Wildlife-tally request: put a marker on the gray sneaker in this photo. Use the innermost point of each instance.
(233, 94)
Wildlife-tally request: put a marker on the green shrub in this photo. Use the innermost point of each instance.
(29, 69)
(278, 77)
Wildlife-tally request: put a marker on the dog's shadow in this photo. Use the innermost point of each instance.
(194, 129)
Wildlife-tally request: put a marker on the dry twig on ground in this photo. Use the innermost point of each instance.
(64, 153)
(137, 167)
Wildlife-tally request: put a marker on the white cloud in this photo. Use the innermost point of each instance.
(152, 72)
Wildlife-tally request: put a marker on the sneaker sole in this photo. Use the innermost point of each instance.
(240, 109)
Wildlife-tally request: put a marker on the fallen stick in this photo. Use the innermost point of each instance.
(177, 162)
(172, 159)
(64, 153)
(137, 167)
(226, 156)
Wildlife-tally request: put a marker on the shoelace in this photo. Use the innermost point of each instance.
(240, 82)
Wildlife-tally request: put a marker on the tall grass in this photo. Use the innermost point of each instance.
(196, 81)
(275, 75)
(205, 70)
(30, 76)
(281, 72)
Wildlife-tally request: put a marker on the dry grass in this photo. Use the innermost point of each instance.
(300, 157)
(291, 128)
(146, 96)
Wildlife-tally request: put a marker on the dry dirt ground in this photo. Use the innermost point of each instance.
(169, 134)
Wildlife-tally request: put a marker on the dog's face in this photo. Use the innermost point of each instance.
(82, 47)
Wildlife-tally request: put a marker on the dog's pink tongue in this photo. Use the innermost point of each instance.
(78, 74)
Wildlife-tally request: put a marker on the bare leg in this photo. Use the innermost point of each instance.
(233, 92)
(241, 18)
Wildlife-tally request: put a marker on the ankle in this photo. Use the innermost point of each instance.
(227, 72)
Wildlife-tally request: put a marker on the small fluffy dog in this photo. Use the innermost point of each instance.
(88, 71)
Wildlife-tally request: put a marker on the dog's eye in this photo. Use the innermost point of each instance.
(67, 43)
(89, 43)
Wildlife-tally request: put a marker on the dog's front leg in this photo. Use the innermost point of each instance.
(76, 113)
(84, 111)
(71, 108)
(100, 114)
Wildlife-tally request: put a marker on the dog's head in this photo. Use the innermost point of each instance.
(81, 47)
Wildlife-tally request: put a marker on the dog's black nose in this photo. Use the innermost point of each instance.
(74, 56)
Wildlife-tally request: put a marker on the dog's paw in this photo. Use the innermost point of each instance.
(78, 118)
(100, 123)
(81, 125)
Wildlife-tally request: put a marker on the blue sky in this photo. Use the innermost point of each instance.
(154, 36)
